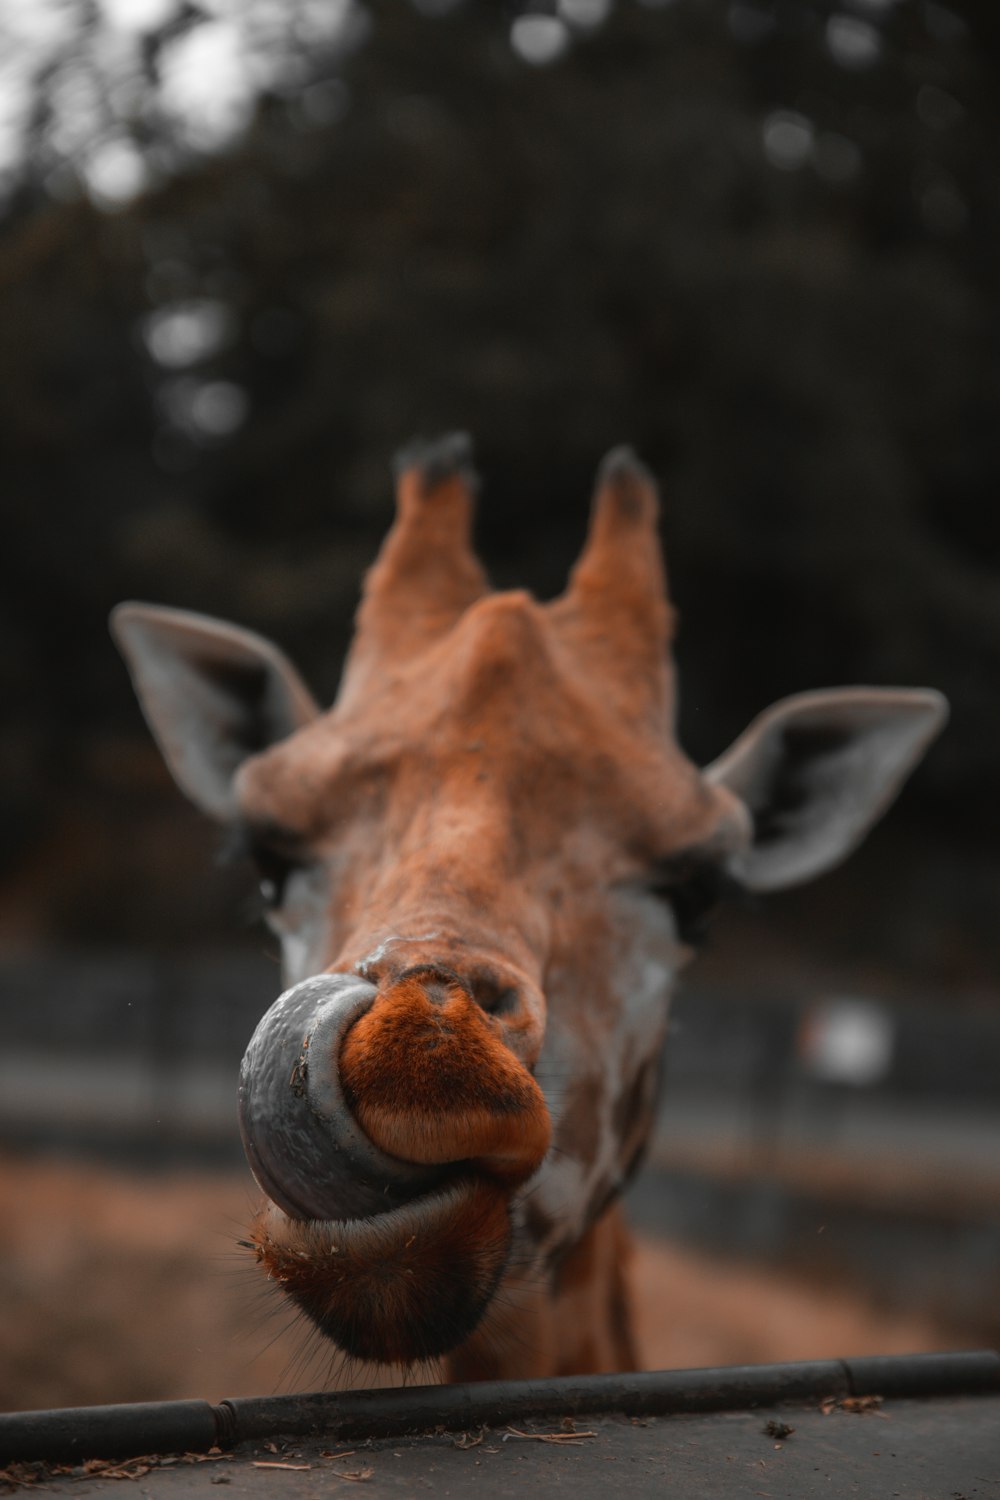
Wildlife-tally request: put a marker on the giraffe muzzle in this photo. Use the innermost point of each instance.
(388, 1129)
(354, 1101)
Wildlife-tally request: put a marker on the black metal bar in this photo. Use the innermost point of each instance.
(73, 1433)
(389, 1413)
(924, 1374)
(194, 1426)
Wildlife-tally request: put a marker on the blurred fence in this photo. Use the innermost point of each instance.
(137, 1055)
(846, 1135)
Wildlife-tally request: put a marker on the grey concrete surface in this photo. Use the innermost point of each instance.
(932, 1448)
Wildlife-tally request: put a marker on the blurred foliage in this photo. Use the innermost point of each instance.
(758, 240)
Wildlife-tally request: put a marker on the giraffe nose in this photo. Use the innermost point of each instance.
(505, 990)
(428, 1076)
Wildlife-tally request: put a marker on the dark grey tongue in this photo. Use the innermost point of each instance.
(304, 1146)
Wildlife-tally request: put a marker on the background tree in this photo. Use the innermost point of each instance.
(249, 252)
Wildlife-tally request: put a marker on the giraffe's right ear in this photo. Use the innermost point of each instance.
(212, 694)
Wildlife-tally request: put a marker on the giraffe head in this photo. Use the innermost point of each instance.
(484, 863)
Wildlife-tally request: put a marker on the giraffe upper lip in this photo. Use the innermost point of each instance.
(430, 1078)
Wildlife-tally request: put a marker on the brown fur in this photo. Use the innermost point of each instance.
(577, 1323)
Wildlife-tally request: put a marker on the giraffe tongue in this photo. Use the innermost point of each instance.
(429, 1080)
(304, 1146)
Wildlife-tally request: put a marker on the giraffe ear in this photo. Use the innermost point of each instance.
(211, 693)
(816, 771)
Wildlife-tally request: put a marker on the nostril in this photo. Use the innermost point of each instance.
(492, 992)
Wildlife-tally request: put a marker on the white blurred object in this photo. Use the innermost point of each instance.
(788, 139)
(847, 1040)
(539, 40)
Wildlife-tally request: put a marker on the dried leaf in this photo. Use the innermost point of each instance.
(548, 1437)
(20, 1476)
(122, 1471)
(135, 1468)
(358, 1475)
(861, 1404)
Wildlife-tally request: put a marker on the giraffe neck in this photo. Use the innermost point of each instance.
(577, 1320)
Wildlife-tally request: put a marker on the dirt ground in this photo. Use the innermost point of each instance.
(122, 1288)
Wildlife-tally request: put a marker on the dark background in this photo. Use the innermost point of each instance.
(758, 240)
(713, 230)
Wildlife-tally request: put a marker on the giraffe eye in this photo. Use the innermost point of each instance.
(273, 871)
(694, 889)
(276, 852)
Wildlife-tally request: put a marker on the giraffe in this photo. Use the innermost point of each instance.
(486, 862)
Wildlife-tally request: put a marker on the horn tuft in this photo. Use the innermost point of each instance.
(426, 574)
(626, 486)
(615, 614)
(438, 460)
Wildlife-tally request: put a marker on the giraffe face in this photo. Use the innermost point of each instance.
(480, 863)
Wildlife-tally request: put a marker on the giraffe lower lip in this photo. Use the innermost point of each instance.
(401, 1286)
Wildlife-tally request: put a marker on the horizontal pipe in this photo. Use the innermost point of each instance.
(74, 1434)
(924, 1374)
(390, 1413)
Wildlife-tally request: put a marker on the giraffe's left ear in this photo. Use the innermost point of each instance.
(816, 771)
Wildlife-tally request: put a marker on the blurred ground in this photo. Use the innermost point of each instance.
(122, 1288)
